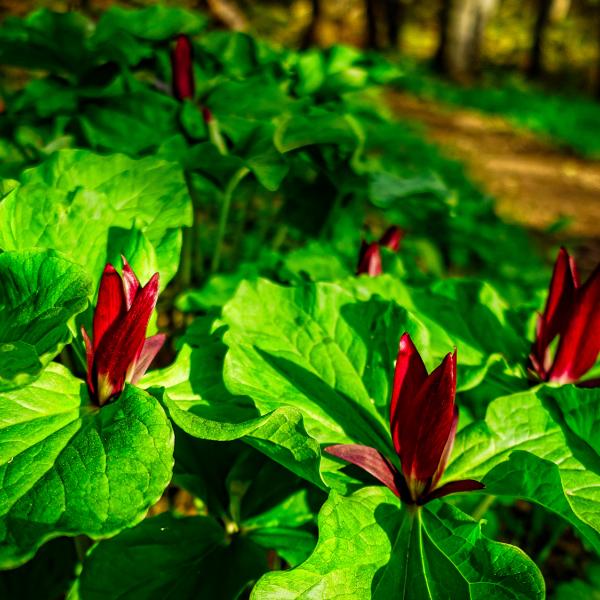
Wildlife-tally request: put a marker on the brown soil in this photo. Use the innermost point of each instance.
(535, 184)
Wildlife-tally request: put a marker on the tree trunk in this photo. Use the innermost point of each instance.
(598, 57)
(443, 25)
(393, 18)
(541, 22)
(462, 27)
(396, 16)
(309, 37)
(371, 15)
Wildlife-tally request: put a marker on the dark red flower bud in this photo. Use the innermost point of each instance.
(120, 352)
(572, 312)
(423, 420)
(391, 238)
(182, 66)
(369, 257)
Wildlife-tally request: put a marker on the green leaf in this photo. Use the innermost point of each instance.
(306, 365)
(198, 402)
(317, 127)
(69, 468)
(133, 123)
(70, 202)
(166, 556)
(370, 547)
(541, 446)
(254, 143)
(46, 40)
(40, 293)
(48, 575)
(588, 588)
(138, 250)
(155, 23)
(253, 494)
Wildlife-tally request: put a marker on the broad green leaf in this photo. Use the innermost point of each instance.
(471, 316)
(237, 54)
(39, 294)
(258, 97)
(154, 23)
(198, 402)
(170, 557)
(69, 468)
(317, 127)
(541, 446)
(138, 250)
(254, 143)
(313, 356)
(70, 202)
(48, 575)
(258, 497)
(370, 547)
(588, 588)
(46, 40)
(135, 123)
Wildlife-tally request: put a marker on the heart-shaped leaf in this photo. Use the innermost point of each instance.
(40, 292)
(70, 202)
(370, 547)
(305, 360)
(542, 446)
(166, 556)
(68, 468)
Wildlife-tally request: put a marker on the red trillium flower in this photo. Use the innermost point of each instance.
(423, 419)
(120, 352)
(572, 313)
(182, 66)
(369, 258)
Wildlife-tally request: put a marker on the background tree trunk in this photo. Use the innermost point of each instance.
(393, 10)
(598, 56)
(309, 37)
(443, 19)
(542, 19)
(371, 14)
(462, 27)
(397, 11)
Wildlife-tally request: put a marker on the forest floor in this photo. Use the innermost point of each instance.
(534, 182)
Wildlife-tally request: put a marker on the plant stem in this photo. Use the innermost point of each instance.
(187, 246)
(483, 507)
(82, 545)
(215, 137)
(224, 216)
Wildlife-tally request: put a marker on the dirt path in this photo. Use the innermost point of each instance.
(535, 184)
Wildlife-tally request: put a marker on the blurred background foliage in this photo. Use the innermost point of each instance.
(557, 41)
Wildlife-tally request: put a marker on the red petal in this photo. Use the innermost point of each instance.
(124, 343)
(89, 354)
(447, 450)
(131, 284)
(391, 238)
(111, 303)
(150, 349)
(371, 461)
(560, 296)
(370, 260)
(452, 487)
(579, 345)
(427, 425)
(183, 68)
(409, 376)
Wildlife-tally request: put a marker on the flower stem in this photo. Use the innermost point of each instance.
(224, 216)
(483, 507)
